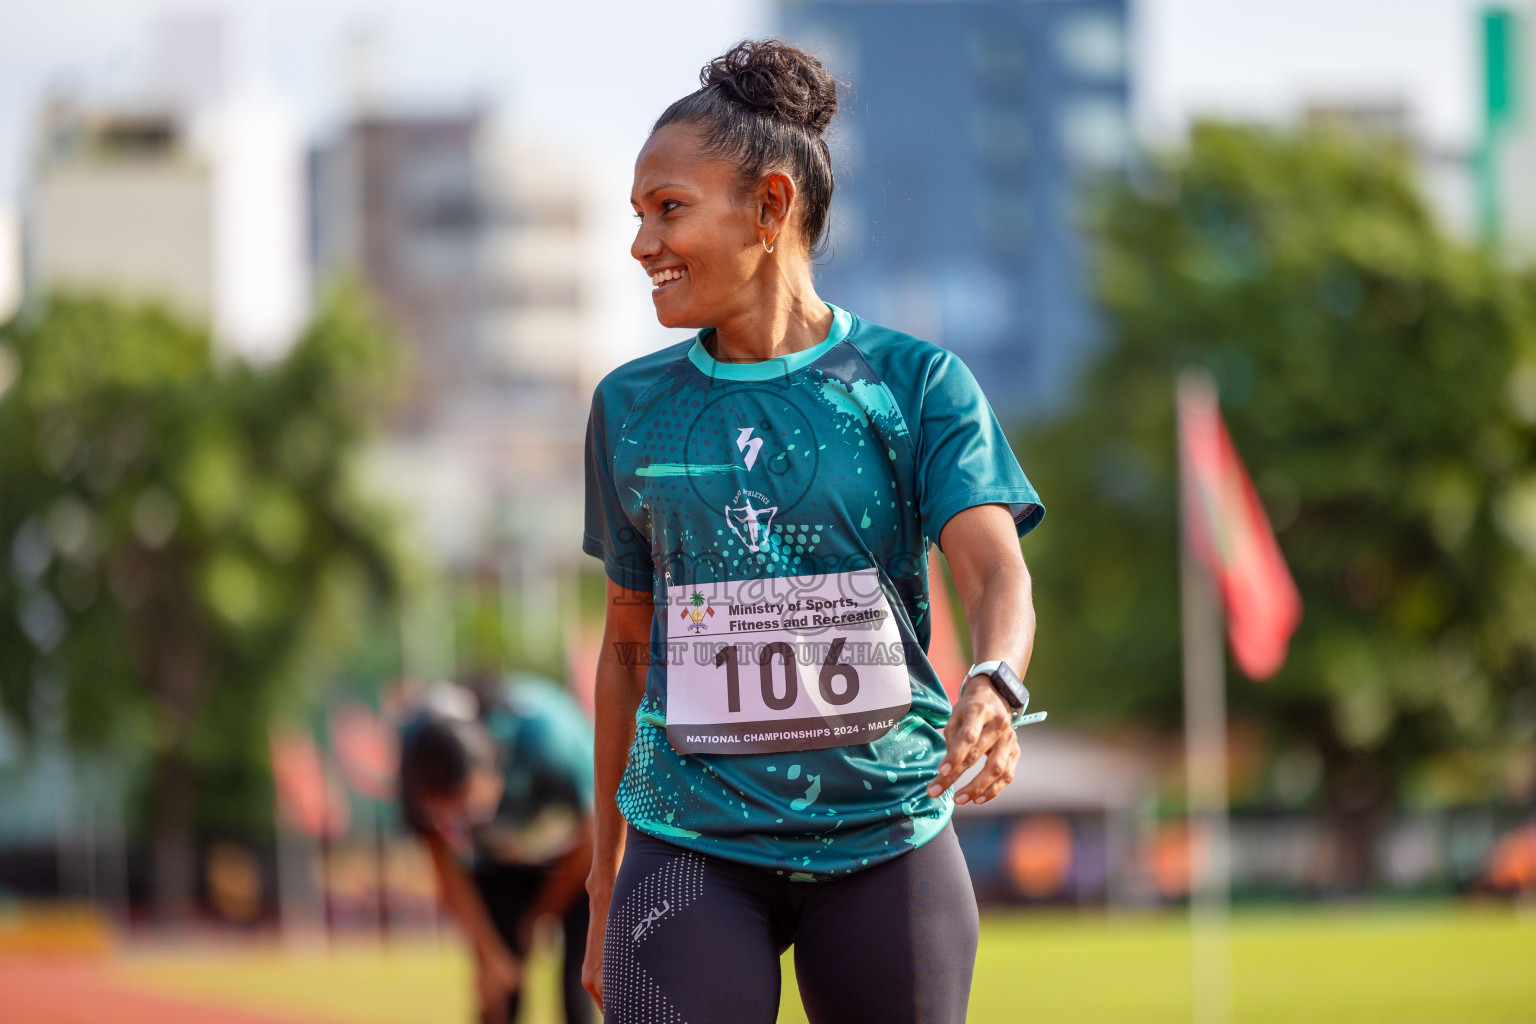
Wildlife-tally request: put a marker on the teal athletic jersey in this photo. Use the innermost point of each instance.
(545, 742)
(780, 513)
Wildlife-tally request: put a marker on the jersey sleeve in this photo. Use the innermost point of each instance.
(564, 771)
(963, 457)
(609, 533)
(573, 736)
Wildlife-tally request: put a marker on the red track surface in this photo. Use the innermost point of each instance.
(77, 991)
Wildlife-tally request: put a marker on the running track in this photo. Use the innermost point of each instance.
(81, 991)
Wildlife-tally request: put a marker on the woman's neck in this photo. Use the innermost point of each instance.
(785, 317)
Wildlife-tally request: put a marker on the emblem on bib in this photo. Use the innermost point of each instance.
(698, 607)
(795, 663)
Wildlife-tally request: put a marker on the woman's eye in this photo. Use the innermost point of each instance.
(668, 205)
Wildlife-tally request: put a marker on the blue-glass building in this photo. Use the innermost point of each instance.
(969, 128)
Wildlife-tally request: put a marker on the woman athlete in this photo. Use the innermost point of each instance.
(776, 758)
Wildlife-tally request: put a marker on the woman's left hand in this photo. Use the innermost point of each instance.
(980, 726)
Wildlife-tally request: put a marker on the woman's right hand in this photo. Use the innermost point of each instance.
(616, 693)
(499, 975)
(597, 931)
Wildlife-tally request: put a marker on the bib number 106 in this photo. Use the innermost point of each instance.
(833, 673)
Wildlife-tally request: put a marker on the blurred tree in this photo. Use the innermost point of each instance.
(1379, 381)
(184, 538)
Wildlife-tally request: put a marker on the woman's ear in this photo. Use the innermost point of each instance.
(775, 200)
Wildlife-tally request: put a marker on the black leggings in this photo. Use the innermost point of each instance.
(509, 893)
(694, 939)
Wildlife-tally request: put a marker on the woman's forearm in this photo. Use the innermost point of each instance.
(983, 553)
(1001, 615)
(993, 583)
(464, 902)
(618, 689)
(619, 686)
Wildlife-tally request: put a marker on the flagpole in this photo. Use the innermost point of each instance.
(1205, 754)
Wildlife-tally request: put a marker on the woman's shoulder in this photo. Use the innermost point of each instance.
(897, 354)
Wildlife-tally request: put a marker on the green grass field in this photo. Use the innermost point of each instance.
(1403, 966)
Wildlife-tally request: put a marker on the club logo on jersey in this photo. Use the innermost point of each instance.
(698, 608)
(749, 444)
(746, 436)
(750, 517)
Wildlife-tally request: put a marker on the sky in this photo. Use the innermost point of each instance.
(1268, 58)
(591, 74)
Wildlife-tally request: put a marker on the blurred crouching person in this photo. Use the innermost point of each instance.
(496, 780)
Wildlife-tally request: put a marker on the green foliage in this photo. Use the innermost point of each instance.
(1380, 383)
(182, 533)
(492, 630)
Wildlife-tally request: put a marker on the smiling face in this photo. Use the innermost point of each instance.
(698, 236)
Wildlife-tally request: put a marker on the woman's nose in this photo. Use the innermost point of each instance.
(646, 245)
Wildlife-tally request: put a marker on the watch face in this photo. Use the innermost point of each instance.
(1010, 686)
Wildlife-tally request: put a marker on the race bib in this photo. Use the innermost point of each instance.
(759, 666)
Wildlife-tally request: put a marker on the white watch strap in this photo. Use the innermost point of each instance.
(982, 668)
(1019, 718)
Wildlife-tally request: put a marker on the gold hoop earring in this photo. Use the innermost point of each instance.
(766, 246)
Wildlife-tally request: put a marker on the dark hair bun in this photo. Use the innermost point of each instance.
(776, 78)
(765, 105)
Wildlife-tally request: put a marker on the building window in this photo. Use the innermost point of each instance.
(438, 191)
(973, 304)
(1094, 132)
(1005, 219)
(1092, 45)
(1001, 60)
(1002, 139)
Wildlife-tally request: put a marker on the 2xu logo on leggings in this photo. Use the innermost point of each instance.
(776, 672)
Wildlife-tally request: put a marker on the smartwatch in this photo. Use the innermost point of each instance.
(1008, 686)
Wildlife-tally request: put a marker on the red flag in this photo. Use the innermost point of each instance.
(1226, 526)
(311, 798)
(365, 748)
